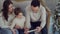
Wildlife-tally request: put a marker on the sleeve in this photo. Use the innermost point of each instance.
(43, 3)
(1, 22)
(2, 25)
(13, 24)
(43, 17)
(27, 18)
(48, 10)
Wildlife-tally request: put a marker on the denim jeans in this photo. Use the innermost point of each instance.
(6, 31)
(35, 24)
(21, 31)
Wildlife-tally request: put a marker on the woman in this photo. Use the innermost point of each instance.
(6, 17)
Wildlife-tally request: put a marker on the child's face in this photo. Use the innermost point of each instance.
(20, 15)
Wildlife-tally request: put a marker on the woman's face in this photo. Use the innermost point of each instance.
(10, 9)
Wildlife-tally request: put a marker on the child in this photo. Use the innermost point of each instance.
(18, 21)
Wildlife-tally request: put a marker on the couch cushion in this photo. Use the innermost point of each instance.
(1, 3)
(22, 5)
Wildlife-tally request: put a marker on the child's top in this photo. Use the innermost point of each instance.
(18, 21)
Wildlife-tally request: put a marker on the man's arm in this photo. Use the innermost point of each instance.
(43, 17)
(27, 18)
(47, 10)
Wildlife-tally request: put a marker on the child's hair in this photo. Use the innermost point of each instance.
(17, 11)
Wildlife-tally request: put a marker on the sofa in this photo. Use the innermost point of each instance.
(23, 5)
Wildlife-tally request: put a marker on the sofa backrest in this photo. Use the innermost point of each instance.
(22, 5)
(50, 3)
(1, 3)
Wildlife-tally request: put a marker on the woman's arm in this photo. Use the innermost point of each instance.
(2, 23)
(12, 24)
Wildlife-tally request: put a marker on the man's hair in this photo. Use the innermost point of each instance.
(35, 3)
(17, 11)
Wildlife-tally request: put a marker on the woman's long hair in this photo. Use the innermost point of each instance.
(5, 9)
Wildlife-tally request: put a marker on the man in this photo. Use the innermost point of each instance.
(36, 17)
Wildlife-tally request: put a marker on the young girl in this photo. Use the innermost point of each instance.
(18, 21)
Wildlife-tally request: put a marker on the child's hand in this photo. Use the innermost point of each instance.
(14, 31)
(17, 27)
(26, 29)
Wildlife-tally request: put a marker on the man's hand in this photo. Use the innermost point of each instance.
(38, 29)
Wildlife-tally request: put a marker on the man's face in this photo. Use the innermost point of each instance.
(34, 9)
